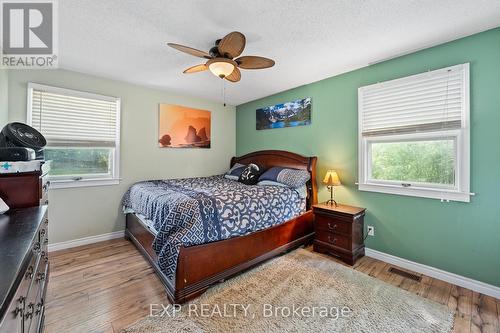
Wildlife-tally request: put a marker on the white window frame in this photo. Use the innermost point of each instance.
(459, 192)
(83, 180)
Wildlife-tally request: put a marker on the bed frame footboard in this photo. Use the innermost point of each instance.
(202, 266)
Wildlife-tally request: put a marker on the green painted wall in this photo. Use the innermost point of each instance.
(463, 238)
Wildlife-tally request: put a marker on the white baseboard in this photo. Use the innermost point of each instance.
(85, 241)
(462, 281)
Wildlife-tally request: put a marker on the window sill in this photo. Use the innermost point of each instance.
(417, 192)
(57, 184)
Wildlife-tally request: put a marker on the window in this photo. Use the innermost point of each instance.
(82, 132)
(414, 135)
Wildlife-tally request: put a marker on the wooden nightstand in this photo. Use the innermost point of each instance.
(339, 231)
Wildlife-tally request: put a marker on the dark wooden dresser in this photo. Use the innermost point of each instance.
(339, 231)
(24, 261)
(24, 265)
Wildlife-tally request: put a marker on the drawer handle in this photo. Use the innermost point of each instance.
(44, 256)
(332, 227)
(46, 186)
(29, 273)
(36, 247)
(39, 307)
(19, 308)
(40, 277)
(29, 313)
(333, 241)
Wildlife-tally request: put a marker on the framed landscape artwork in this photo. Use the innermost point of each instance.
(183, 127)
(290, 114)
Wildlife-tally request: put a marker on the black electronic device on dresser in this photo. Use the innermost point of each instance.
(24, 261)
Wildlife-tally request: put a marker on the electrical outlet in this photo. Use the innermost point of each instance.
(371, 230)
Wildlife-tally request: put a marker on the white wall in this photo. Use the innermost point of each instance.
(89, 211)
(4, 98)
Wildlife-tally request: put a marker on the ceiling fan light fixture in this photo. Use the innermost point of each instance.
(221, 67)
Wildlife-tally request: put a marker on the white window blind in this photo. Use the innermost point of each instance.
(414, 135)
(67, 118)
(430, 101)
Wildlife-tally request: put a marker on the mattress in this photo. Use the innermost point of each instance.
(147, 223)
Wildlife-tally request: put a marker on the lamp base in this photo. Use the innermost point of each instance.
(332, 203)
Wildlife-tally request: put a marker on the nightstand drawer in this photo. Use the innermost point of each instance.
(334, 239)
(331, 224)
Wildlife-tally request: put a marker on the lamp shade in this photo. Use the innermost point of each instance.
(332, 178)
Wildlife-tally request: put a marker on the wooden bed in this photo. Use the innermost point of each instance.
(201, 266)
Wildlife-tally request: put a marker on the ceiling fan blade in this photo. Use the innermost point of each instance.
(254, 62)
(232, 44)
(196, 69)
(235, 76)
(190, 50)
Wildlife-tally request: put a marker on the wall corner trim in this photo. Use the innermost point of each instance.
(462, 281)
(86, 240)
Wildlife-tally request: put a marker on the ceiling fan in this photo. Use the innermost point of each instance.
(222, 57)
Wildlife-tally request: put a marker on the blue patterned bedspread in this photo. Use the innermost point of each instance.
(195, 211)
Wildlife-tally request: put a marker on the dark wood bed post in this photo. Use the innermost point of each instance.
(201, 266)
(313, 184)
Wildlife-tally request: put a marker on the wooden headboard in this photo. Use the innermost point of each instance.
(270, 158)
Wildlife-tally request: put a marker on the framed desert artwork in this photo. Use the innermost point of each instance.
(289, 114)
(183, 127)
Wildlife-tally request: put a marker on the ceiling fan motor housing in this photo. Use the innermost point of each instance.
(214, 52)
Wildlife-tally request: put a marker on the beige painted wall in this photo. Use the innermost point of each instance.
(4, 98)
(89, 211)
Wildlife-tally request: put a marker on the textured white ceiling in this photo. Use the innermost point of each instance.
(309, 39)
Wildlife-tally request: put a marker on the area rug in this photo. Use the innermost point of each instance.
(301, 292)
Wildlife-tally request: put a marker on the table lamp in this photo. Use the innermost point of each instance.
(331, 179)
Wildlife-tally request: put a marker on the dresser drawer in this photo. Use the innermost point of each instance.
(332, 224)
(334, 239)
(33, 324)
(30, 302)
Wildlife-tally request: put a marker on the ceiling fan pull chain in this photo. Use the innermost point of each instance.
(223, 92)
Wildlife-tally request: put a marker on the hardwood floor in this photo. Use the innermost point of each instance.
(107, 286)
(103, 287)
